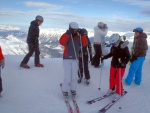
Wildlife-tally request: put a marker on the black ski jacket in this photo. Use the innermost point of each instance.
(33, 33)
(118, 53)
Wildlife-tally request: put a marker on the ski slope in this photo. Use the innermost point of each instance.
(37, 90)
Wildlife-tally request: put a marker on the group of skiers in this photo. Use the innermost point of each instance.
(78, 53)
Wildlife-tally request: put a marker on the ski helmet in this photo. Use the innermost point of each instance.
(39, 18)
(138, 29)
(114, 38)
(73, 25)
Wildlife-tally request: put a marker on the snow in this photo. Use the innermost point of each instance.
(37, 90)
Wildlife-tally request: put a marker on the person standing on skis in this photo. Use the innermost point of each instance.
(72, 41)
(138, 56)
(120, 57)
(33, 43)
(100, 32)
(2, 64)
(83, 65)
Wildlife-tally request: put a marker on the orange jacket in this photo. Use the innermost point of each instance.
(66, 41)
(1, 54)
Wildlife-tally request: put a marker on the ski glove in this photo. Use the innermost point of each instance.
(133, 58)
(2, 63)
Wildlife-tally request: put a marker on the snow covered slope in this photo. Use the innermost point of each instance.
(37, 90)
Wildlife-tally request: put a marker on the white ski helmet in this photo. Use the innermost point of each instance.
(38, 17)
(73, 25)
(114, 38)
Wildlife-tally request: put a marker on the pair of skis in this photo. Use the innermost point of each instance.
(75, 105)
(109, 105)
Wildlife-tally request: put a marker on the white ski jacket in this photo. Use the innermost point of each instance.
(99, 33)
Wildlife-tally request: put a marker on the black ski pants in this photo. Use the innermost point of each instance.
(32, 49)
(97, 56)
(86, 67)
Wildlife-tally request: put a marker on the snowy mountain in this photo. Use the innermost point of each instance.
(13, 40)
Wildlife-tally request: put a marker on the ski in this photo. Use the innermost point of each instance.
(99, 98)
(75, 105)
(109, 105)
(69, 108)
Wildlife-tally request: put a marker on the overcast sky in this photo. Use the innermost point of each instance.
(119, 15)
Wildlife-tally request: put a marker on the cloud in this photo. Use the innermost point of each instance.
(146, 12)
(61, 20)
(141, 3)
(43, 5)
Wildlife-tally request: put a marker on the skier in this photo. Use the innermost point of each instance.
(87, 53)
(71, 41)
(100, 32)
(2, 64)
(138, 56)
(120, 57)
(33, 43)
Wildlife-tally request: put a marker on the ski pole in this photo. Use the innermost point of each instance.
(100, 78)
(82, 55)
(120, 82)
(76, 55)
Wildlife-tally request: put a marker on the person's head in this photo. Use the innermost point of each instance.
(102, 25)
(39, 19)
(137, 31)
(115, 39)
(73, 27)
(85, 32)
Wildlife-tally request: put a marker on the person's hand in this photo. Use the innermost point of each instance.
(133, 58)
(122, 64)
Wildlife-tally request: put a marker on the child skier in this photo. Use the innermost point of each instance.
(71, 42)
(83, 65)
(2, 64)
(120, 57)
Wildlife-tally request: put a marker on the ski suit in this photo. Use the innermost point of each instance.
(1, 59)
(120, 57)
(70, 62)
(139, 52)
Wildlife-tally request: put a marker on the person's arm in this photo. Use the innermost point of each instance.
(63, 39)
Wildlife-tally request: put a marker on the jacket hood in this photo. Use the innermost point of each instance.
(143, 35)
(34, 22)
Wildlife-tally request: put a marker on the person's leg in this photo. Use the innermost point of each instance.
(30, 53)
(86, 68)
(80, 71)
(132, 70)
(74, 75)
(138, 74)
(118, 80)
(112, 78)
(67, 75)
(37, 55)
(1, 87)
(97, 55)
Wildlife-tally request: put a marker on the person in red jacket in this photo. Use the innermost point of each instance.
(72, 42)
(2, 64)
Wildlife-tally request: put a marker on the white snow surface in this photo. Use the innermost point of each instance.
(37, 90)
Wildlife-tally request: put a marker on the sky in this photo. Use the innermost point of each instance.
(119, 15)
